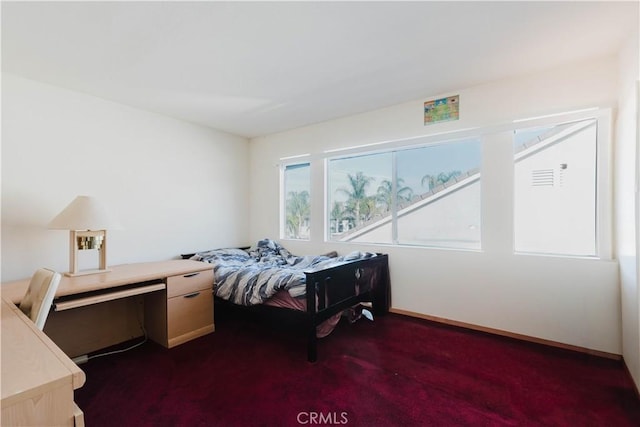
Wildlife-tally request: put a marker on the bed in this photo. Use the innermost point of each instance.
(312, 290)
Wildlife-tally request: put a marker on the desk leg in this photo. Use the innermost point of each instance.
(155, 316)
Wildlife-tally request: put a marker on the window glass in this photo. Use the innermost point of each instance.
(359, 190)
(555, 189)
(426, 196)
(438, 193)
(297, 189)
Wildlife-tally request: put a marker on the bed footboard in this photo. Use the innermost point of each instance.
(334, 289)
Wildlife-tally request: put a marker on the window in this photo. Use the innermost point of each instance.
(425, 196)
(297, 203)
(555, 189)
(427, 191)
(359, 192)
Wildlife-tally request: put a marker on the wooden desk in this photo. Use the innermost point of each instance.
(169, 300)
(38, 379)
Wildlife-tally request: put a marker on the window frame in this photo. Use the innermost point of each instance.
(603, 191)
(393, 148)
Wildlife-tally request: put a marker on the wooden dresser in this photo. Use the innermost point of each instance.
(182, 312)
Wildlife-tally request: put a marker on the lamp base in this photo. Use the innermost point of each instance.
(86, 272)
(87, 239)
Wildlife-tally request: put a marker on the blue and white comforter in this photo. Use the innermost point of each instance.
(251, 277)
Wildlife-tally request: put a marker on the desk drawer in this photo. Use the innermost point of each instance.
(189, 316)
(190, 282)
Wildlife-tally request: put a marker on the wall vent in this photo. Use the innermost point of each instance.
(542, 178)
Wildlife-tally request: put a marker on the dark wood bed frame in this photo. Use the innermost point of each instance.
(338, 288)
(335, 289)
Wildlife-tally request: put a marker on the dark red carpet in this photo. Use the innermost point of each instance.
(395, 371)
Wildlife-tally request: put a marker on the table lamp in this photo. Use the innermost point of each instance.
(87, 221)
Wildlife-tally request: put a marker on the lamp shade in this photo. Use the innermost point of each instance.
(84, 213)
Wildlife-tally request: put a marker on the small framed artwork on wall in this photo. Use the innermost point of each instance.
(442, 110)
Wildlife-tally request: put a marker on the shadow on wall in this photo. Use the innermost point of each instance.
(27, 243)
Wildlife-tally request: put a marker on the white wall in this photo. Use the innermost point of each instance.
(626, 203)
(572, 301)
(175, 187)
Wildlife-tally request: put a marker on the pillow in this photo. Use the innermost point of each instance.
(267, 249)
(358, 255)
(205, 255)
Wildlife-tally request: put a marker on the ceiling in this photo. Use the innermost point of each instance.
(256, 68)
